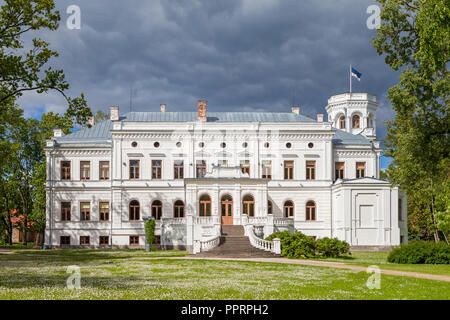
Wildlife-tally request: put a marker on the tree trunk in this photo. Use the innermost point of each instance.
(433, 218)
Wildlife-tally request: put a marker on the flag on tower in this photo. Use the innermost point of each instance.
(356, 74)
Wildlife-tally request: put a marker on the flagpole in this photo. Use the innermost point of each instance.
(350, 74)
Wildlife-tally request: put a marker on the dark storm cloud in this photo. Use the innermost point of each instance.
(237, 54)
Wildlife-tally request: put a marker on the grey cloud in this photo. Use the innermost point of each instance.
(237, 54)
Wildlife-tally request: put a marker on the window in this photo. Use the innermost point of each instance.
(310, 145)
(179, 144)
(134, 144)
(288, 145)
(134, 169)
(266, 145)
(85, 211)
(339, 170)
(342, 122)
(84, 240)
(178, 169)
(289, 170)
(248, 205)
(65, 170)
(269, 207)
(85, 170)
(201, 168)
(104, 240)
(360, 170)
(310, 170)
(201, 144)
(178, 209)
(400, 209)
(156, 169)
(288, 209)
(104, 211)
(157, 209)
(223, 145)
(355, 121)
(156, 144)
(134, 240)
(267, 169)
(222, 163)
(310, 211)
(244, 145)
(65, 211)
(205, 206)
(245, 167)
(64, 240)
(104, 170)
(134, 210)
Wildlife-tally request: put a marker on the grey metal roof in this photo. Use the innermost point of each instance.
(343, 137)
(215, 117)
(101, 132)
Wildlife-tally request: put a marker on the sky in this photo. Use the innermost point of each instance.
(240, 55)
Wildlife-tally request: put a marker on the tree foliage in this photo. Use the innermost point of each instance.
(415, 37)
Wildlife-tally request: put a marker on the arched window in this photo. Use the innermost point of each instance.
(355, 121)
(310, 211)
(342, 122)
(288, 209)
(248, 205)
(134, 210)
(269, 207)
(178, 209)
(205, 206)
(157, 209)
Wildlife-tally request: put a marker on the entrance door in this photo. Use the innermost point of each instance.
(226, 205)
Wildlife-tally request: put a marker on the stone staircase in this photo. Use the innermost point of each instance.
(234, 244)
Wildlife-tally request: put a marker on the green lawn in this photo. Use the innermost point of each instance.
(363, 258)
(131, 274)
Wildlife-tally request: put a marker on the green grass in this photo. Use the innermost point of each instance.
(17, 245)
(136, 274)
(363, 258)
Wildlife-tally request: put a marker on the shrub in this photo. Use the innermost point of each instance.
(295, 245)
(149, 226)
(332, 247)
(421, 252)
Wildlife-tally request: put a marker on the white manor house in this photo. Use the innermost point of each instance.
(199, 172)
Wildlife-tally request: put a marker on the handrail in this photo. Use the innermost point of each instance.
(272, 246)
(206, 245)
(283, 221)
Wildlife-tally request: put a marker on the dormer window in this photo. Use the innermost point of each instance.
(355, 121)
(342, 122)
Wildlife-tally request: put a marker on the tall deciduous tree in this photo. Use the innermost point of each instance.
(414, 36)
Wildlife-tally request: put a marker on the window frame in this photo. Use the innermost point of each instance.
(86, 215)
(341, 122)
(84, 170)
(360, 166)
(103, 172)
(66, 174)
(83, 241)
(356, 121)
(61, 242)
(157, 206)
(288, 166)
(339, 170)
(200, 165)
(245, 166)
(265, 169)
(66, 213)
(248, 206)
(311, 169)
(205, 206)
(134, 172)
(132, 213)
(100, 242)
(157, 170)
(135, 240)
(178, 170)
(311, 214)
(102, 214)
(178, 209)
(289, 210)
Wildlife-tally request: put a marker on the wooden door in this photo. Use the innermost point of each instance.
(226, 207)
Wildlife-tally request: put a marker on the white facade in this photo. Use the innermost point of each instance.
(360, 210)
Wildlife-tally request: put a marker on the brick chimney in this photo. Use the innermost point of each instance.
(91, 121)
(202, 110)
(162, 107)
(319, 117)
(296, 109)
(114, 113)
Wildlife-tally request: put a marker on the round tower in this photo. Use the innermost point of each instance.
(354, 113)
